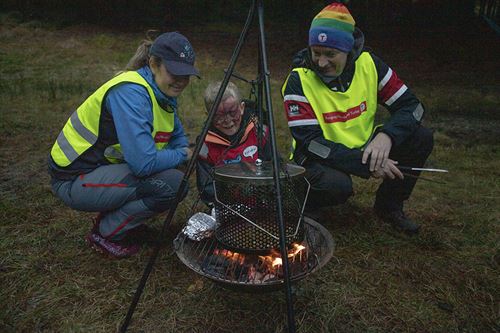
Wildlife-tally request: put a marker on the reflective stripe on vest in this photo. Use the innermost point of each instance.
(81, 131)
(345, 117)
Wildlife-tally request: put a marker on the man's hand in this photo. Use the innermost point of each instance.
(389, 170)
(378, 151)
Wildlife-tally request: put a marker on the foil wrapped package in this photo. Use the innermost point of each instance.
(200, 226)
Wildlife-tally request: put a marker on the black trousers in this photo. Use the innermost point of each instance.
(332, 187)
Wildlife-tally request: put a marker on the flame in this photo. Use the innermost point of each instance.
(277, 262)
(272, 261)
(275, 258)
(296, 249)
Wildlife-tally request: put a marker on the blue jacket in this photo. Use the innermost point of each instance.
(131, 109)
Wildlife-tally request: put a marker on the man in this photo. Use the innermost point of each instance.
(331, 98)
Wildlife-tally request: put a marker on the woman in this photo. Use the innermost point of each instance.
(118, 152)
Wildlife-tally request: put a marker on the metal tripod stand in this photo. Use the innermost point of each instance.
(263, 90)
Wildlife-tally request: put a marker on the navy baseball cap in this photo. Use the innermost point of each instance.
(176, 53)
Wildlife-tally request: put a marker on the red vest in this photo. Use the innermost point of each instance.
(215, 148)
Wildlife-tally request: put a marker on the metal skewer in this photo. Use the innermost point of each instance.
(422, 178)
(406, 168)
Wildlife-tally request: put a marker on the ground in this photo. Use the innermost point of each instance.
(443, 280)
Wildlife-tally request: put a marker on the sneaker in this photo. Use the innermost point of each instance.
(399, 221)
(108, 247)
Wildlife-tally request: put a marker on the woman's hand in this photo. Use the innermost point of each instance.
(389, 170)
(378, 151)
(188, 152)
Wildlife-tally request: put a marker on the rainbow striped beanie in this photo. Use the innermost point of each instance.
(333, 27)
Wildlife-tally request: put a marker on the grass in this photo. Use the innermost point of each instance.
(444, 280)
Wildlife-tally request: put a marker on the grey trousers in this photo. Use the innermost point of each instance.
(123, 200)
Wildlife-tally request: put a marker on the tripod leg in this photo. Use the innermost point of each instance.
(189, 169)
(276, 167)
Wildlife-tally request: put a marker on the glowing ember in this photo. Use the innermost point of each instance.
(259, 269)
(234, 256)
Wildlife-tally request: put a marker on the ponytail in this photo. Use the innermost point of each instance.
(141, 56)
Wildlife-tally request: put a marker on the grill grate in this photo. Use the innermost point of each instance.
(211, 259)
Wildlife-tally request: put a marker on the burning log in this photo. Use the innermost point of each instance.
(249, 268)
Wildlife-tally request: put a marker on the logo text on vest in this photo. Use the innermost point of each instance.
(340, 116)
(162, 136)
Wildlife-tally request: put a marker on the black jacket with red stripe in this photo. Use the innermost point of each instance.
(405, 111)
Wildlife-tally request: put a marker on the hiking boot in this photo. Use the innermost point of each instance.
(114, 249)
(399, 221)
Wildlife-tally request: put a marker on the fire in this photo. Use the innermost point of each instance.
(260, 269)
(274, 259)
(277, 262)
(296, 249)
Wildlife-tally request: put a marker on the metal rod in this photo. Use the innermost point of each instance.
(406, 168)
(238, 76)
(202, 249)
(260, 107)
(190, 168)
(406, 174)
(276, 170)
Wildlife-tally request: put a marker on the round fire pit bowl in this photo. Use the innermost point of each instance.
(253, 272)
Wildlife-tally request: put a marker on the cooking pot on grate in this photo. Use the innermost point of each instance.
(246, 206)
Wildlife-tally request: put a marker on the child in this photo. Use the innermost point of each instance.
(232, 138)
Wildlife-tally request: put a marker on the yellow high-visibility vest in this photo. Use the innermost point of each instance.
(81, 131)
(345, 117)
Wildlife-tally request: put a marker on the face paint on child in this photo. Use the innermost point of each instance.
(227, 119)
